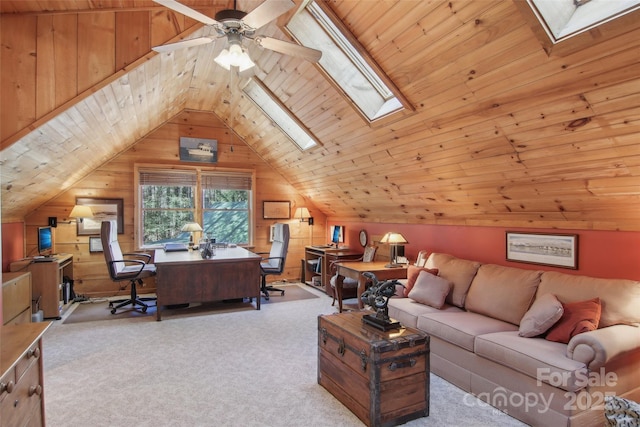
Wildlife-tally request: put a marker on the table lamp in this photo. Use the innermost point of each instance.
(191, 227)
(393, 239)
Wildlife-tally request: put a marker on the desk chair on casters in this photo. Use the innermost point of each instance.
(274, 263)
(125, 267)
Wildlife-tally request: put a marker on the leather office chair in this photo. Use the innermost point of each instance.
(350, 285)
(274, 263)
(125, 267)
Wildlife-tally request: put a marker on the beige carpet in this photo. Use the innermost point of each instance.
(96, 310)
(244, 368)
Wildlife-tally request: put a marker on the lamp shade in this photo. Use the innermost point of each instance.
(302, 214)
(235, 56)
(80, 211)
(191, 226)
(393, 238)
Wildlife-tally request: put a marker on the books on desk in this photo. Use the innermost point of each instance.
(175, 247)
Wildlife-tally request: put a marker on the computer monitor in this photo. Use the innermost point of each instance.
(45, 240)
(337, 234)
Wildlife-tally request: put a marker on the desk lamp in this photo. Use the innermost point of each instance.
(393, 239)
(191, 227)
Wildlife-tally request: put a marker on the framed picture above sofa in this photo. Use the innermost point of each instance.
(557, 250)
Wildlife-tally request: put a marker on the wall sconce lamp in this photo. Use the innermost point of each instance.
(78, 213)
(303, 215)
(191, 227)
(393, 239)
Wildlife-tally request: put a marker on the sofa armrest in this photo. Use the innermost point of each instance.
(596, 348)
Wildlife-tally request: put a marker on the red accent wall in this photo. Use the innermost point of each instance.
(12, 243)
(607, 254)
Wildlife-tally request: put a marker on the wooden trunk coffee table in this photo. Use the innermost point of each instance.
(382, 377)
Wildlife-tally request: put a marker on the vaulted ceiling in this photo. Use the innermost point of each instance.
(505, 132)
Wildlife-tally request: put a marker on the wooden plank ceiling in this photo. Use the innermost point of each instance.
(503, 133)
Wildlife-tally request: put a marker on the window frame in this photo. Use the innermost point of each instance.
(406, 108)
(198, 210)
(292, 121)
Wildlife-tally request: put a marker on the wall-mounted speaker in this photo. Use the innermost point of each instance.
(53, 221)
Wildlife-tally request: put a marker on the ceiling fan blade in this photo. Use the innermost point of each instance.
(267, 12)
(291, 49)
(187, 11)
(170, 47)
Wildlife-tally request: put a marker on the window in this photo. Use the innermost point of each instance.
(220, 201)
(279, 114)
(563, 19)
(167, 202)
(355, 73)
(226, 206)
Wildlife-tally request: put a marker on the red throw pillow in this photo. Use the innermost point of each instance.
(412, 275)
(578, 317)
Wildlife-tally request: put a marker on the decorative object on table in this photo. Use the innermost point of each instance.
(393, 239)
(377, 297)
(557, 250)
(208, 249)
(191, 227)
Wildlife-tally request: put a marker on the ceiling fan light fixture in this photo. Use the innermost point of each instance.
(234, 56)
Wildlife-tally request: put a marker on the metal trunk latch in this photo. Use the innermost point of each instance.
(406, 364)
(341, 347)
(363, 360)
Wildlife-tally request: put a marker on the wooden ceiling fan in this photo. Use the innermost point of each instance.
(236, 26)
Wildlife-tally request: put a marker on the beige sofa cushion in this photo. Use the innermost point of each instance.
(460, 328)
(504, 293)
(538, 358)
(406, 311)
(460, 272)
(620, 298)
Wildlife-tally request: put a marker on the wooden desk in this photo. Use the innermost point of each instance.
(354, 271)
(322, 257)
(184, 277)
(47, 282)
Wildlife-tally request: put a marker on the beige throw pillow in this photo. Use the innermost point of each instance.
(430, 290)
(545, 311)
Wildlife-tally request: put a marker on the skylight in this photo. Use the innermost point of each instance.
(279, 114)
(357, 76)
(563, 19)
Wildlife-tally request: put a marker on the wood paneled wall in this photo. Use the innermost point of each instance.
(115, 180)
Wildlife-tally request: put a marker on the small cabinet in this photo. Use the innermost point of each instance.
(16, 298)
(21, 375)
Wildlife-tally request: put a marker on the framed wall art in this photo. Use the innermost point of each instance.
(556, 250)
(95, 244)
(103, 210)
(276, 209)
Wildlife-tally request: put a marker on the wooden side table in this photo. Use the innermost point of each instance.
(382, 377)
(354, 271)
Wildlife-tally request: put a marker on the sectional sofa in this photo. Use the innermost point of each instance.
(544, 347)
